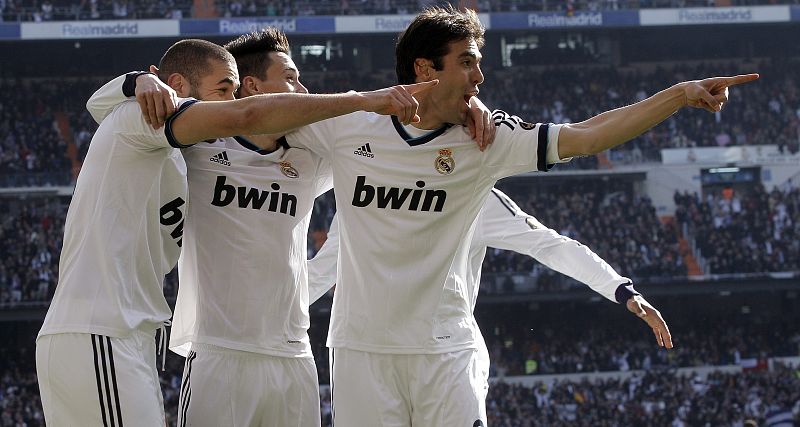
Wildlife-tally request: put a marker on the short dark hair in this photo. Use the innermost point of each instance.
(429, 36)
(191, 58)
(252, 50)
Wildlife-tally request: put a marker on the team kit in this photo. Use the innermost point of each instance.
(224, 190)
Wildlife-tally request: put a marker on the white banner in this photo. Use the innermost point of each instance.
(747, 154)
(100, 29)
(231, 26)
(383, 23)
(714, 15)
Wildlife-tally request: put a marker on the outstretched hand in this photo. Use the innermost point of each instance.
(645, 311)
(711, 94)
(157, 100)
(401, 100)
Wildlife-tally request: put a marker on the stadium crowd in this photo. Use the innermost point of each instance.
(61, 10)
(657, 396)
(20, 404)
(532, 342)
(73, 10)
(34, 149)
(30, 245)
(746, 231)
(771, 114)
(541, 92)
(609, 217)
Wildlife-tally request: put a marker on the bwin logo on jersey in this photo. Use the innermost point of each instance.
(254, 198)
(221, 158)
(395, 198)
(365, 151)
(171, 214)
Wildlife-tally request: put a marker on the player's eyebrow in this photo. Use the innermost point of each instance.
(227, 80)
(469, 54)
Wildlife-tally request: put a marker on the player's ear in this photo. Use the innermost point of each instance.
(249, 86)
(181, 85)
(423, 69)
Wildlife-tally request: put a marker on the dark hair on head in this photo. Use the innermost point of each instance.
(252, 51)
(191, 58)
(429, 36)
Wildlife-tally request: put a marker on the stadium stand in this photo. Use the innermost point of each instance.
(726, 347)
(655, 399)
(608, 216)
(45, 136)
(61, 10)
(561, 355)
(751, 232)
(30, 244)
(556, 338)
(32, 151)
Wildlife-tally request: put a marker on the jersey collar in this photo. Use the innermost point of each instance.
(420, 139)
(244, 142)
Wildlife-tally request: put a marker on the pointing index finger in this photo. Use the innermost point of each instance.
(741, 78)
(416, 88)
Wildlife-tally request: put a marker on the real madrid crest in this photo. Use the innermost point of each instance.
(445, 164)
(289, 170)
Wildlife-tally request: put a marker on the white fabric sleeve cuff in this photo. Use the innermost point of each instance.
(552, 146)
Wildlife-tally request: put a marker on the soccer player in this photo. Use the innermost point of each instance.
(404, 344)
(241, 320)
(502, 224)
(95, 353)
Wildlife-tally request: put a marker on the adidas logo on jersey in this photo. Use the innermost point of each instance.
(365, 151)
(395, 198)
(221, 158)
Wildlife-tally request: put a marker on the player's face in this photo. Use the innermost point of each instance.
(219, 84)
(458, 81)
(282, 76)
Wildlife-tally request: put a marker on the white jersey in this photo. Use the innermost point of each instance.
(243, 277)
(123, 229)
(501, 224)
(407, 209)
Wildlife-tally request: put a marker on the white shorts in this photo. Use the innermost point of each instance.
(223, 387)
(88, 380)
(404, 390)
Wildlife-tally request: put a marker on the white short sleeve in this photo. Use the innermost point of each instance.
(521, 146)
(317, 137)
(128, 122)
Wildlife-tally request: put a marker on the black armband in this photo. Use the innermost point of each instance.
(624, 292)
(129, 86)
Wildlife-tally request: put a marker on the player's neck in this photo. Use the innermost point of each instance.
(264, 142)
(429, 117)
